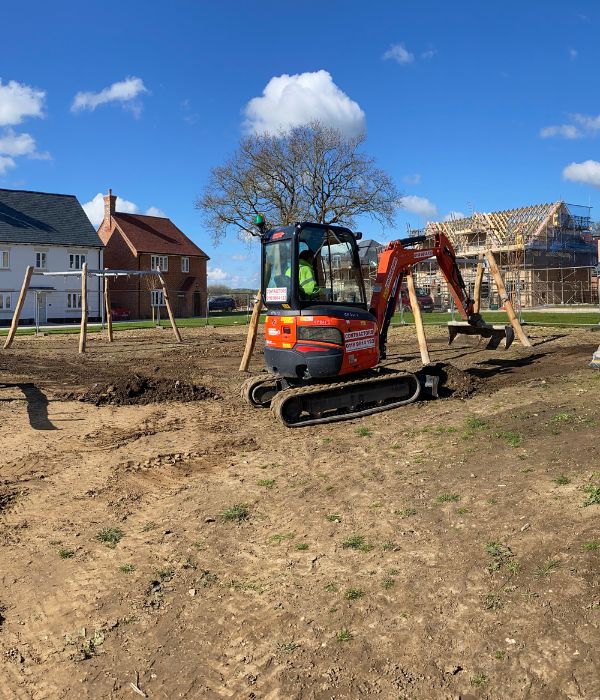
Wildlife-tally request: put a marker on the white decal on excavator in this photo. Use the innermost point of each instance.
(360, 344)
(353, 335)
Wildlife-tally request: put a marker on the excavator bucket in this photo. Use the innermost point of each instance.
(495, 333)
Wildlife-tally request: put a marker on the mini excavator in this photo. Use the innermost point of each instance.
(324, 341)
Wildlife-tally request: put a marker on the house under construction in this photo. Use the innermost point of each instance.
(547, 253)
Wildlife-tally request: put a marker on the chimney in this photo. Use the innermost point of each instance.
(109, 206)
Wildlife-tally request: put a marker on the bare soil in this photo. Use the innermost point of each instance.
(158, 534)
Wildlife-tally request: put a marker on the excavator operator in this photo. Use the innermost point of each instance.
(309, 288)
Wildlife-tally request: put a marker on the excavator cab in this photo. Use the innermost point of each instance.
(309, 265)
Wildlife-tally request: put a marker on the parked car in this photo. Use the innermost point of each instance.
(120, 313)
(221, 304)
(424, 299)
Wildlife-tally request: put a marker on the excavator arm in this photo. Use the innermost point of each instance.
(397, 260)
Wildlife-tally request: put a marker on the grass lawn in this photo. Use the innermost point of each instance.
(539, 318)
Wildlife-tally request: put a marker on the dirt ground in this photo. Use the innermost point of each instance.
(194, 548)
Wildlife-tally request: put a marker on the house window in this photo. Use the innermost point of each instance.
(76, 261)
(185, 264)
(4, 259)
(5, 301)
(73, 300)
(158, 298)
(161, 262)
(40, 260)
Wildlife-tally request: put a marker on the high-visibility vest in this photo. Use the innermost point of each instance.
(306, 277)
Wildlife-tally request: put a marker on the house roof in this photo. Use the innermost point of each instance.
(45, 218)
(155, 234)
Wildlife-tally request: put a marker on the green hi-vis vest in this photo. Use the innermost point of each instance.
(306, 278)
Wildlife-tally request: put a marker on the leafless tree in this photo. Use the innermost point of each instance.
(311, 173)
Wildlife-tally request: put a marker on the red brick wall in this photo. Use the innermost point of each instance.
(134, 293)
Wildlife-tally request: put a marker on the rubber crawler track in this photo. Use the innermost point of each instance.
(279, 401)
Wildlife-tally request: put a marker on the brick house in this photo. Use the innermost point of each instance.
(140, 242)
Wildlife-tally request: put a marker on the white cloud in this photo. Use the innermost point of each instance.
(154, 211)
(13, 144)
(430, 53)
(18, 101)
(216, 274)
(419, 205)
(95, 208)
(5, 164)
(453, 215)
(567, 131)
(126, 92)
(292, 100)
(239, 258)
(588, 173)
(399, 53)
(414, 179)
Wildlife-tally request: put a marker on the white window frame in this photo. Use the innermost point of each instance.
(76, 260)
(157, 297)
(161, 262)
(74, 297)
(4, 252)
(42, 256)
(4, 297)
(185, 263)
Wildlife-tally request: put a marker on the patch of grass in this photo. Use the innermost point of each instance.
(478, 680)
(395, 446)
(289, 647)
(282, 537)
(343, 635)
(198, 544)
(406, 512)
(354, 594)
(563, 417)
(474, 423)
(442, 430)
(111, 536)
(594, 496)
(494, 549)
(492, 501)
(500, 554)
(562, 480)
(363, 431)
(462, 511)
(388, 582)
(267, 483)
(127, 568)
(500, 655)
(357, 542)
(388, 546)
(591, 546)
(447, 498)
(548, 567)
(206, 579)
(66, 553)
(245, 586)
(334, 518)
(511, 437)
(331, 588)
(165, 574)
(491, 601)
(526, 470)
(237, 513)
(376, 504)
(327, 441)
(302, 546)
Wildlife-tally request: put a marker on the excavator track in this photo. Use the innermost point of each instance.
(327, 403)
(259, 390)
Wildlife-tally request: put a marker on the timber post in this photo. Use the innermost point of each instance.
(18, 308)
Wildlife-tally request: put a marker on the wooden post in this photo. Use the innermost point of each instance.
(518, 328)
(416, 309)
(107, 308)
(252, 331)
(84, 309)
(478, 280)
(16, 315)
(169, 310)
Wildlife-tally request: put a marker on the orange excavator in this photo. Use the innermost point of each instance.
(324, 341)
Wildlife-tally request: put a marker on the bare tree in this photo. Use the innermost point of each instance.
(311, 173)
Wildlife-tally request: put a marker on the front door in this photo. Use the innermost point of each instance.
(197, 304)
(41, 310)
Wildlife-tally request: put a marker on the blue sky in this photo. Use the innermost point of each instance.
(468, 105)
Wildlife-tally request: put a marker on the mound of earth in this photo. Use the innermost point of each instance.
(141, 390)
(453, 381)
